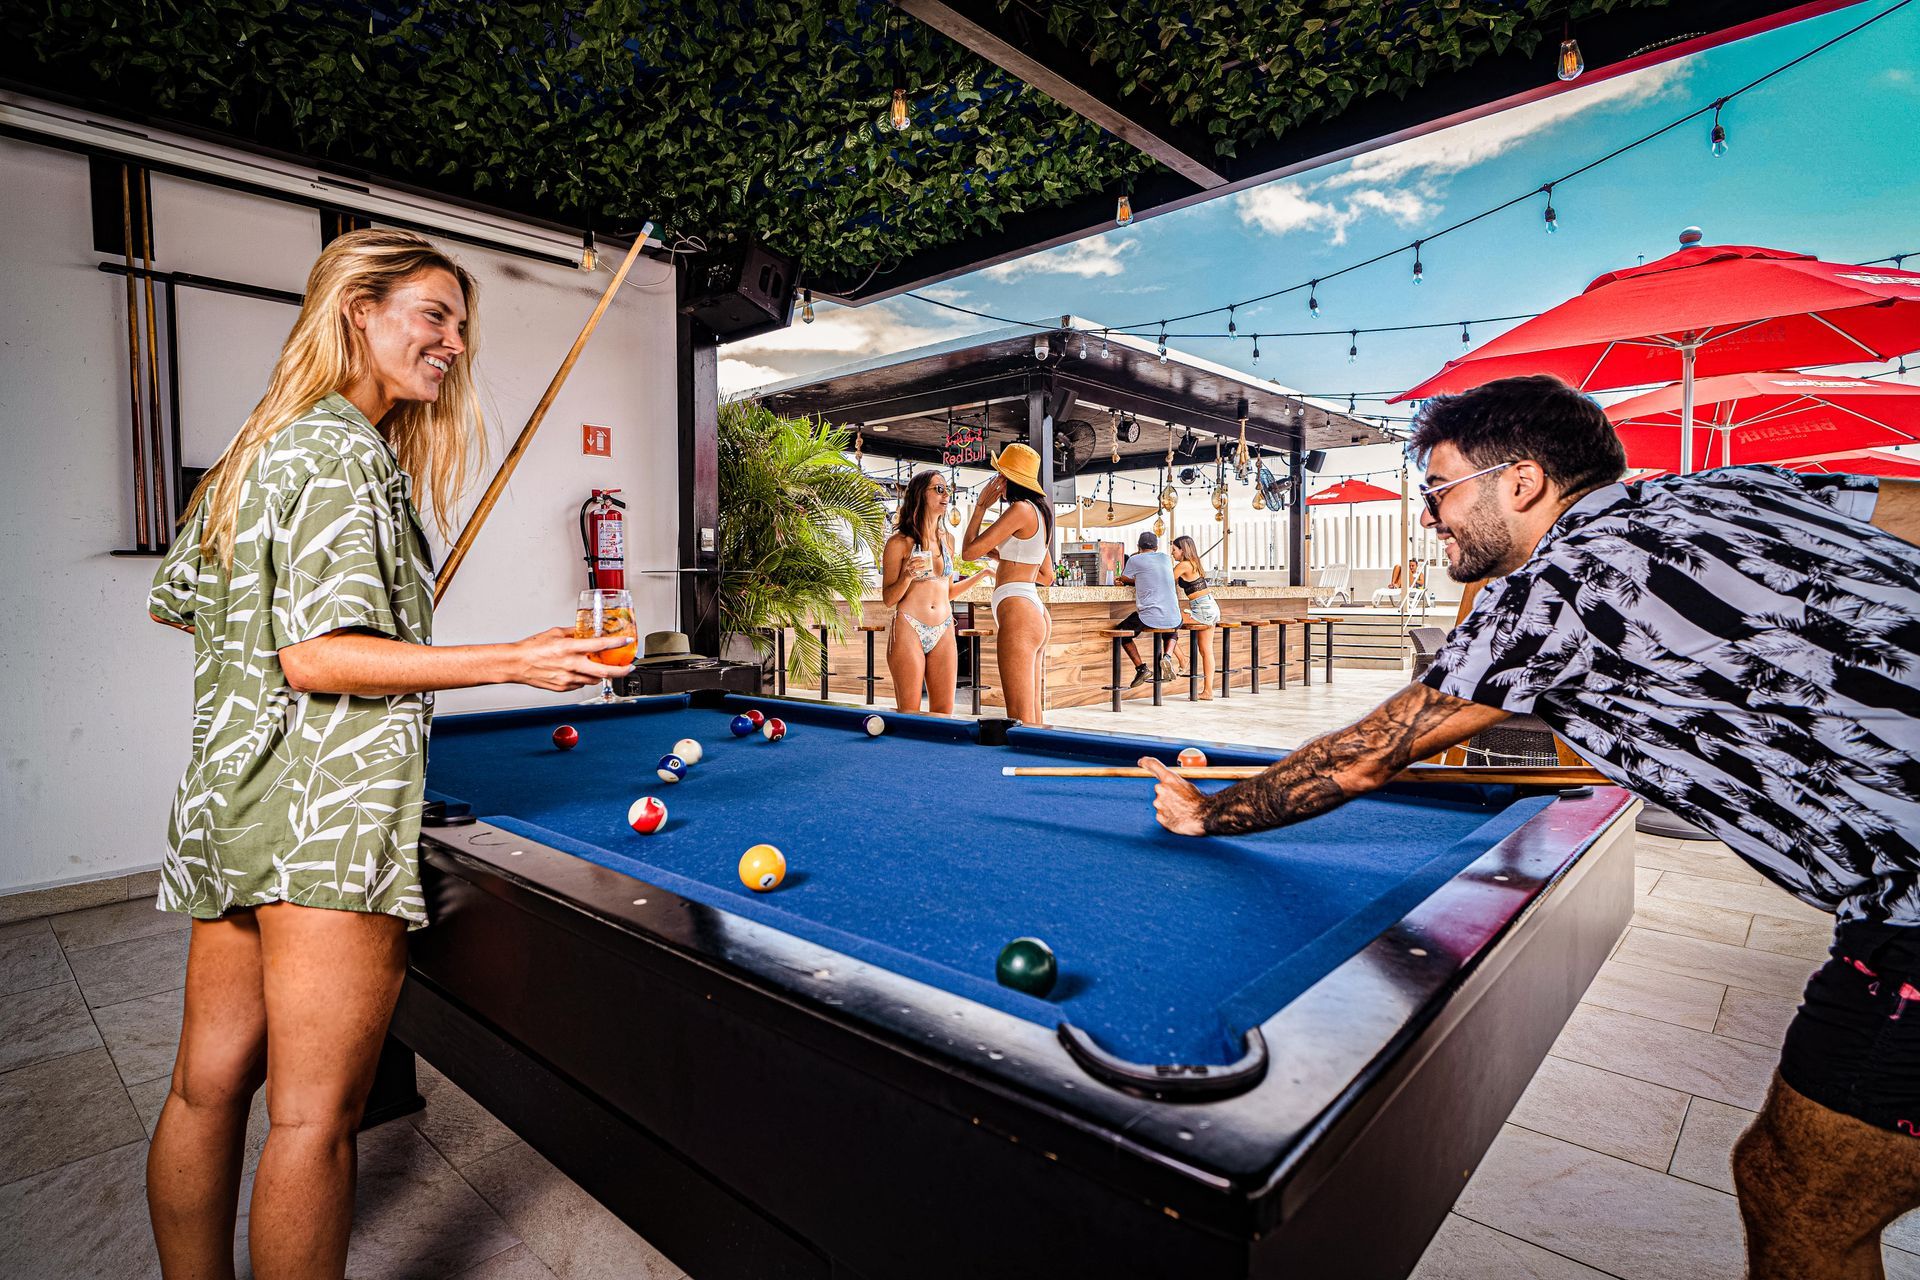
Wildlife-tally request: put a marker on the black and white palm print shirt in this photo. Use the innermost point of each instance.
(1741, 646)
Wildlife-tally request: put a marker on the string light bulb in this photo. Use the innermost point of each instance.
(897, 116)
(806, 306)
(1717, 140)
(589, 260)
(1105, 354)
(1256, 348)
(1552, 218)
(1353, 346)
(1233, 330)
(1313, 299)
(1466, 339)
(1123, 210)
(1570, 64)
(1419, 271)
(1163, 342)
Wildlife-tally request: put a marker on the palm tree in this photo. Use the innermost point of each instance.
(794, 514)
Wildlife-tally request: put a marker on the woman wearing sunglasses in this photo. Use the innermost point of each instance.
(917, 582)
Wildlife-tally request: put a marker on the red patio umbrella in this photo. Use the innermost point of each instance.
(1348, 491)
(1767, 417)
(1703, 311)
(1871, 463)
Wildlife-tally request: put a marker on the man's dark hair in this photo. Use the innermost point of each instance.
(1148, 542)
(1538, 417)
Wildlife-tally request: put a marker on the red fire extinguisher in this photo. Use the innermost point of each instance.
(603, 537)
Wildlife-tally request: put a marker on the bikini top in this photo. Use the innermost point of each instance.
(1194, 586)
(1032, 550)
(944, 567)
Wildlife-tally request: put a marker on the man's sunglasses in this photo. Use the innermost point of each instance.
(1431, 495)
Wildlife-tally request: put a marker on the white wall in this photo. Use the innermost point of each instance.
(94, 698)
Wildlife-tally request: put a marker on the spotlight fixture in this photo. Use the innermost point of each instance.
(1040, 349)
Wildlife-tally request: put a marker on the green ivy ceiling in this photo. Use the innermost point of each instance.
(769, 121)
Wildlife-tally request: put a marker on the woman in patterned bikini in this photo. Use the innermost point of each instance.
(302, 573)
(917, 582)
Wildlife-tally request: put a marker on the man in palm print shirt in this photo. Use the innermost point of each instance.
(1742, 646)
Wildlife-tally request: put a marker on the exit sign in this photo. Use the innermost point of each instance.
(596, 442)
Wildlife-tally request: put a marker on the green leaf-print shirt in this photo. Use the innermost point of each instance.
(310, 798)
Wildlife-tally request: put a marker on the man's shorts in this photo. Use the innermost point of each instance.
(1854, 1046)
(1132, 623)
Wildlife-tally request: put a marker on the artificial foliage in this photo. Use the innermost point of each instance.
(733, 121)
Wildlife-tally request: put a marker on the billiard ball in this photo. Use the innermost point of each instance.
(774, 730)
(689, 750)
(758, 718)
(671, 768)
(875, 726)
(1027, 964)
(741, 726)
(566, 737)
(762, 867)
(647, 815)
(1193, 758)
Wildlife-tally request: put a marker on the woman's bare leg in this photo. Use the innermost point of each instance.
(1206, 661)
(907, 665)
(331, 979)
(943, 674)
(193, 1166)
(1021, 647)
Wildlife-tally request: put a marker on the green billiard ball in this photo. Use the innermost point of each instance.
(1027, 964)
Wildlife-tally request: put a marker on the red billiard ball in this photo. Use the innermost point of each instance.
(566, 737)
(758, 718)
(1193, 758)
(647, 815)
(774, 730)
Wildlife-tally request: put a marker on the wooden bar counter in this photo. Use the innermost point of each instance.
(1079, 658)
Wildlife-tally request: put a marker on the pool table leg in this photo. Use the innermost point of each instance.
(1193, 664)
(1115, 646)
(396, 1091)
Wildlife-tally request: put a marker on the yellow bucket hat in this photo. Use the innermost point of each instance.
(1021, 465)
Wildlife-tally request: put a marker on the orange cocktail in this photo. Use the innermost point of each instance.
(612, 623)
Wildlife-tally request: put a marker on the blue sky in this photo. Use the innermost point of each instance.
(1824, 159)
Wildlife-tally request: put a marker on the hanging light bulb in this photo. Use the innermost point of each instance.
(1233, 329)
(1717, 140)
(1466, 339)
(1313, 299)
(1163, 342)
(1105, 354)
(1552, 218)
(1123, 211)
(1419, 271)
(1353, 345)
(1256, 348)
(897, 116)
(589, 260)
(1083, 347)
(806, 306)
(1571, 64)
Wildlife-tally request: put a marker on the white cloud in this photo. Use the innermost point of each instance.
(1098, 256)
(840, 335)
(1280, 207)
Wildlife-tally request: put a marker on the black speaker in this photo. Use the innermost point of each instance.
(1316, 459)
(742, 295)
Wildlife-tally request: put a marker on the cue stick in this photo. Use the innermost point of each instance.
(1542, 777)
(162, 513)
(141, 540)
(512, 460)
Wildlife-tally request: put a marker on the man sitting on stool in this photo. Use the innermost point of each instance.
(1149, 571)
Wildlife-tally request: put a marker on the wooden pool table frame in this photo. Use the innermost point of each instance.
(759, 1106)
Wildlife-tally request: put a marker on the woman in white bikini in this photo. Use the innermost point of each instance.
(1023, 537)
(917, 582)
(1199, 610)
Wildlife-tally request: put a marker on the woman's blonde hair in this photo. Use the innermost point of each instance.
(438, 443)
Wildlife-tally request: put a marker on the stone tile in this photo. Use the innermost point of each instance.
(1665, 997)
(1900, 1265)
(1693, 919)
(1465, 1250)
(30, 957)
(46, 1022)
(1756, 1017)
(1694, 1062)
(1803, 938)
(67, 897)
(1904, 1234)
(458, 1127)
(413, 1215)
(576, 1236)
(122, 971)
(1705, 1151)
(149, 1097)
(1644, 878)
(1610, 1214)
(87, 1218)
(1711, 862)
(143, 1034)
(143, 884)
(1755, 899)
(61, 1110)
(116, 922)
(517, 1263)
(1715, 962)
(1612, 1114)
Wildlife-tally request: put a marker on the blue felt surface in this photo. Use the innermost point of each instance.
(911, 851)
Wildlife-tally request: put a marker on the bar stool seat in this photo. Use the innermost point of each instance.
(1118, 638)
(976, 634)
(870, 629)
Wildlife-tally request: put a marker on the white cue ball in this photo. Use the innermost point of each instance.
(875, 726)
(687, 749)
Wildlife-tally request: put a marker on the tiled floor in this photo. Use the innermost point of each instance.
(1614, 1163)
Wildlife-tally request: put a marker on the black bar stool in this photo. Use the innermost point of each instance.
(870, 629)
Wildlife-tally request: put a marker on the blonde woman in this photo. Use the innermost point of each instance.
(302, 573)
(917, 583)
(1199, 610)
(1023, 539)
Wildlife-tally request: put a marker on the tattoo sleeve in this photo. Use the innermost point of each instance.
(1335, 767)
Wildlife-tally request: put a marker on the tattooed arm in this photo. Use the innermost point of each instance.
(1328, 771)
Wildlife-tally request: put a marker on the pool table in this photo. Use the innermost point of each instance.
(1272, 1055)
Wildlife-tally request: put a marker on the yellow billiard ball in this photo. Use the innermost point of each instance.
(762, 867)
